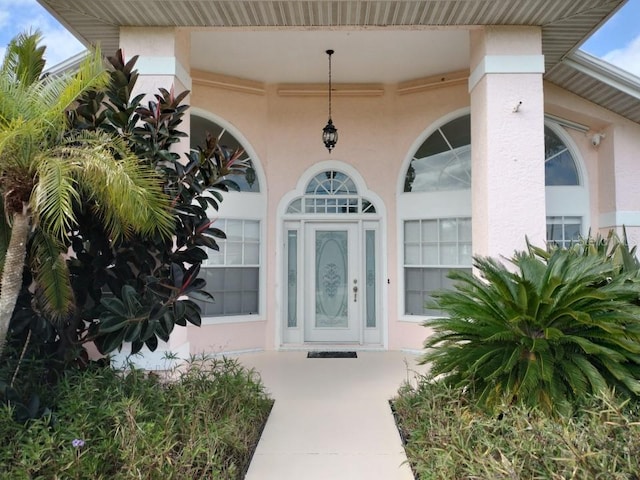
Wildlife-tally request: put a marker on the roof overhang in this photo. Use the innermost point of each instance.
(565, 23)
(387, 25)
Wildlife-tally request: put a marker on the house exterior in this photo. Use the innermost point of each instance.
(341, 249)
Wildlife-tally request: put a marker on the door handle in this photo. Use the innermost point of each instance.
(355, 293)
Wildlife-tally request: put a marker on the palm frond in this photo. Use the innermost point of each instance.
(53, 287)
(24, 58)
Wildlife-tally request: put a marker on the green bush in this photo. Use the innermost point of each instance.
(447, 437)
(545, 333)
(111, 424)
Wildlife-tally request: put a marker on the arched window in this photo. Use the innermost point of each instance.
(234, 274)
(331, 192)
(435, 206)
(201, 127)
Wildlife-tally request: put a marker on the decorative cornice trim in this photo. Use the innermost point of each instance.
(226, 82)
(506, 64)
(147, 65)
(435, 81)
(338, 90)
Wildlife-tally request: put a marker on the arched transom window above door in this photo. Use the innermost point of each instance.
(330, 192)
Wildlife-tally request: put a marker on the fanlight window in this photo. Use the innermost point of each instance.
(331, 192)
(443, 161)
(200, 127)
(559, 165)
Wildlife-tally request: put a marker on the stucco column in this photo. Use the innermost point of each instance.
(507, 139)
(164, 62)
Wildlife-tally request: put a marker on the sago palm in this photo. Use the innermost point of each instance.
(544, 334)
(45, 171)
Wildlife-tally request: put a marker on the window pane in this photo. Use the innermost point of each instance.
(429, 230)
(370, 285)
(458, 131)
(251, 254)
(412, 254)
(449, 254)
(430, 254)
(412, 231)
(464, 230)
(200, 127)
(448, 230)
(234, 253)
(443, 161)
(235, 290)
(561, 170)
(251, 231)
(233, 229)
(292, 278)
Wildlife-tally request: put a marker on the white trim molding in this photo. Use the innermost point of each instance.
(506, 64)
(618, 219)
(147, 65)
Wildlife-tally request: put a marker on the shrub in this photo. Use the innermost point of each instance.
(448, 437)
(558, 327)
(112, 424)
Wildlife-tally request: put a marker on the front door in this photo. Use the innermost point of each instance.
(332, 283)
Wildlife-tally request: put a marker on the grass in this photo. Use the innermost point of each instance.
(110, 424)
(447, 437)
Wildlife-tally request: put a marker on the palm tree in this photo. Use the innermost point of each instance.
(45, 171)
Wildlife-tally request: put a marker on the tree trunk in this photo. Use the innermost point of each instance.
(11, 281)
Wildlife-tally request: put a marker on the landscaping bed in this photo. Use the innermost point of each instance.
(447, 437)
(109, 424)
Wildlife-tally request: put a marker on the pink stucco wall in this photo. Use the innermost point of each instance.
(377, 131)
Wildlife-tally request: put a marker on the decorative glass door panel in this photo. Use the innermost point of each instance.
(332, 283)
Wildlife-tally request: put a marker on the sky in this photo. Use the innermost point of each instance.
(617, 41)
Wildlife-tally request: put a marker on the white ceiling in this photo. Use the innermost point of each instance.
(361, 56)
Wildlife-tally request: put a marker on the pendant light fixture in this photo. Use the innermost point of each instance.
(329, 132)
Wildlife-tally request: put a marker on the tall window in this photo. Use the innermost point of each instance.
(233, 274)
(435, 207)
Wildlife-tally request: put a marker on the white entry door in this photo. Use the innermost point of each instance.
(332, 283)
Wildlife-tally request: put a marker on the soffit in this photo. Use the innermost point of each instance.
(600, 83)
(565, 23)
(375, 40)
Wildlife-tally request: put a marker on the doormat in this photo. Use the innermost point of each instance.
(332, 355)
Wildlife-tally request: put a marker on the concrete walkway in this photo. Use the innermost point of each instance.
(331, 418)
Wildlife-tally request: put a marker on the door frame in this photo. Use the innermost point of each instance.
(285, 337)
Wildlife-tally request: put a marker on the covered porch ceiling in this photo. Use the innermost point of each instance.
(375, 40)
